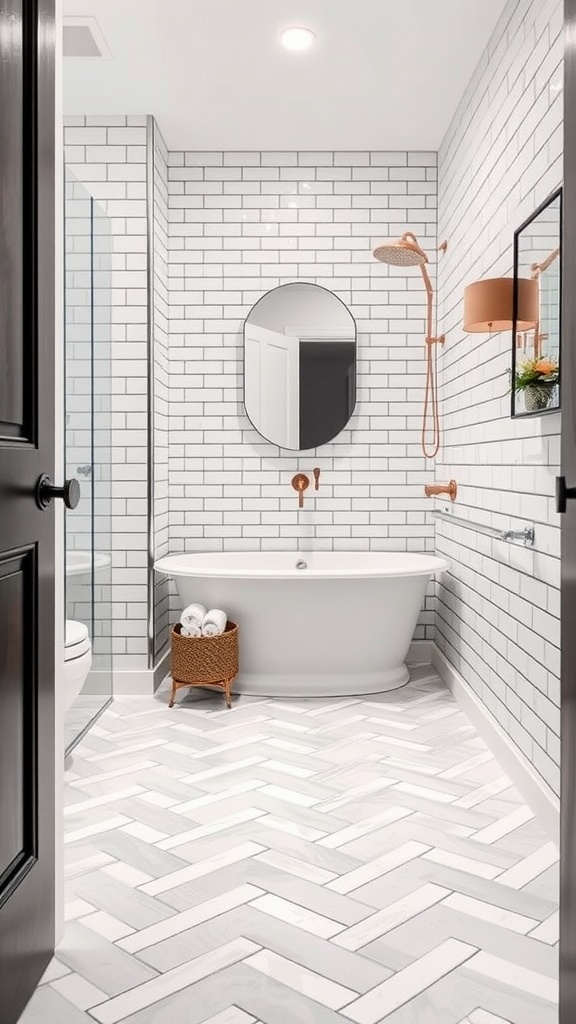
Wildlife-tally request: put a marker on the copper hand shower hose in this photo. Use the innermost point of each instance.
(407, 252)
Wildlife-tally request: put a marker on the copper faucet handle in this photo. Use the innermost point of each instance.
(300, 483)
(316, 479)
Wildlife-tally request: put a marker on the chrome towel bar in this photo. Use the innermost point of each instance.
(526, 536)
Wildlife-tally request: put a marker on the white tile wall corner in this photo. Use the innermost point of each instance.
(108, 154)
(498, 608)
(240, 224)
(160, 284)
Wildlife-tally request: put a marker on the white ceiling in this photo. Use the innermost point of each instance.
(385, 74)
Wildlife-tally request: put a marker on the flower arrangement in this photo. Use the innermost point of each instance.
(536, 371)
(537, 378)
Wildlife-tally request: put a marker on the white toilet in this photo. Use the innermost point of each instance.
(77, 660)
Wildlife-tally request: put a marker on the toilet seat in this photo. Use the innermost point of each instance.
(77, 642)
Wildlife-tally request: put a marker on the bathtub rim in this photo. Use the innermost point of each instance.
(423, 565)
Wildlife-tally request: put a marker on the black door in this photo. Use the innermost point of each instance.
(568, 695)
(26, 533)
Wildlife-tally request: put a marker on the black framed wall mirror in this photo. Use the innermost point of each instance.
(300, 366)
(536, 350)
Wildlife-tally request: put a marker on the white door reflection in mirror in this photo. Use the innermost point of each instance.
(299, 366)
(272, 384)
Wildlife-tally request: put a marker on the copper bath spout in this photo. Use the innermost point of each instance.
(433, 490)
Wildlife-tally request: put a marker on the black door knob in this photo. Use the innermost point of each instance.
(563, 494)
(46, 491)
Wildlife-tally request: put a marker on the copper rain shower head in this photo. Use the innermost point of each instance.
(403, 253)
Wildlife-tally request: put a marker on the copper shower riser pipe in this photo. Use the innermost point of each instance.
(430, 398)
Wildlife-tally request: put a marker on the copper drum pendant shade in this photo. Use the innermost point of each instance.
(489, 305)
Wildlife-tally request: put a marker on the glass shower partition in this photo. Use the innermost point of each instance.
(88, 440)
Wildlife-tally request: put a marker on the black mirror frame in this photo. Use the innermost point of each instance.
(557, 194)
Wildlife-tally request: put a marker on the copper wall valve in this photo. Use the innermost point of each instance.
(433, 490)
(300, 483)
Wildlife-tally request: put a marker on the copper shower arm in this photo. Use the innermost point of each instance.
(409, 236)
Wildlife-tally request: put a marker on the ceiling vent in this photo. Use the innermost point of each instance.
(82, 38)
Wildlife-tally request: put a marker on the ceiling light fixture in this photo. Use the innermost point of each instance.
(297, 39)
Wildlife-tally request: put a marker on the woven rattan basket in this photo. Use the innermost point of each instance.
(210, 661)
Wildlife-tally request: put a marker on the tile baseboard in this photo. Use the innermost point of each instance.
(140, 682)
(145, 682)
(536, 793)
(420, 653)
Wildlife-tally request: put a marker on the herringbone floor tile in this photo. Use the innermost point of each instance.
(321, 861)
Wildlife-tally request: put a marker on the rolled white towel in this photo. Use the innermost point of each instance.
(193, 615)
(214, 622)
(191, 631)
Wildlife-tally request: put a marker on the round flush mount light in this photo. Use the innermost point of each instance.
(297, 39)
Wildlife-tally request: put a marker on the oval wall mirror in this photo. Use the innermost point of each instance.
(299, 366)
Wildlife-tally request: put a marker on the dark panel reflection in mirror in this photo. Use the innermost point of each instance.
(536, 352)
(299, 366)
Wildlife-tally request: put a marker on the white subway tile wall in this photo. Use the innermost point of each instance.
(240, 224)
(109, 156)
(498, 607)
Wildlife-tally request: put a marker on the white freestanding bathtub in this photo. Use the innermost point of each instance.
(312, 623)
